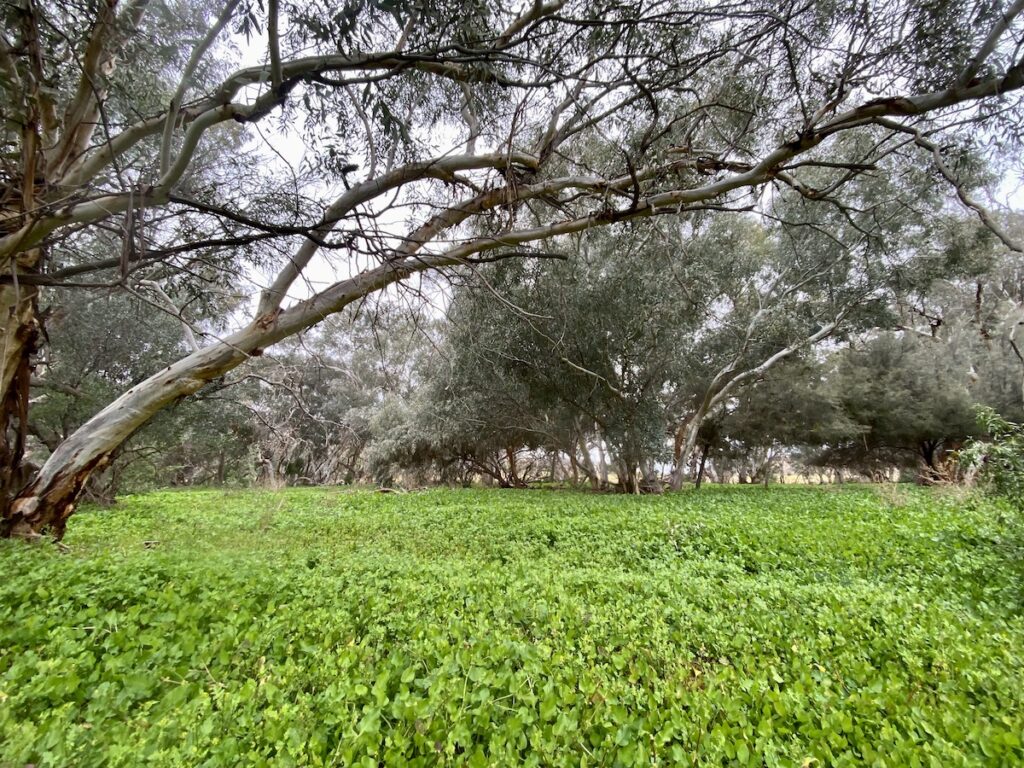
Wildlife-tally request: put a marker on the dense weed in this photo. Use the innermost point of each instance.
(789, 627)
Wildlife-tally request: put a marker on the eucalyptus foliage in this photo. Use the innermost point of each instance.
(136, 151)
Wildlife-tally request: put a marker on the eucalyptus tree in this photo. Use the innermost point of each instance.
(912, 391)
(318, 399)
(453, 436)
(708, 102)
(651, 329)
(101, 343)
(911, 399)
(572, 355)
(468, 415)
(812, 271)
(971, 294)
(794, 407)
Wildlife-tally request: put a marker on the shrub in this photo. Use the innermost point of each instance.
(999, 460)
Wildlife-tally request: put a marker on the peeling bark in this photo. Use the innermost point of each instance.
(21, 331)
(48, 501)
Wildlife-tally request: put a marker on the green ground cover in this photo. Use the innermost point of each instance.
(794, 626)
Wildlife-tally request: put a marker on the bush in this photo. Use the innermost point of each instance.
(1000, 459)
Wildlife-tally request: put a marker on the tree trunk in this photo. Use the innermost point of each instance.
(650, 481)
(931, 471)
(602, 463)
(686, 441)
(513, 474)
(724, 382)
(352, 471)
(627, 477)
(703, 463)
(766, 467)
(587, 463)
(50, 498)
(21, 331)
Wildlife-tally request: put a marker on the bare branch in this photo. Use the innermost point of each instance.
(186, 79)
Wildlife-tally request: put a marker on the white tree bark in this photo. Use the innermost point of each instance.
(725, 383)
(73, 163)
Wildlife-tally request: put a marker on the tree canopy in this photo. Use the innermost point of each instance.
(138, 156)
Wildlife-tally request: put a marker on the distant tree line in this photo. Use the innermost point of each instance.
(732, 187)
(606, 370)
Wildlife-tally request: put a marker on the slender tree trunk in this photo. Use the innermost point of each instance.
(602, 463)
(513, 475)
(587, 464)
(766, 467)
(352, 471)
(498, 470)
(726, 380)
(563, 473)
(627, 477)
(703, 462)
(686, 441)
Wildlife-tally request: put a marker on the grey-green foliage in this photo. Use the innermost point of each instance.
(910, 391)
(464, 417)
(305, 414)
(101, 345)
(179, 246)
(795, 405)
(909, 396)
(324, 401)
(908, 400)
(622, 340)
(634, 354)
(102, 337)
(571, 349)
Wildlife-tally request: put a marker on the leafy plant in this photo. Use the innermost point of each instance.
(733, 626)
(1000, 458)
